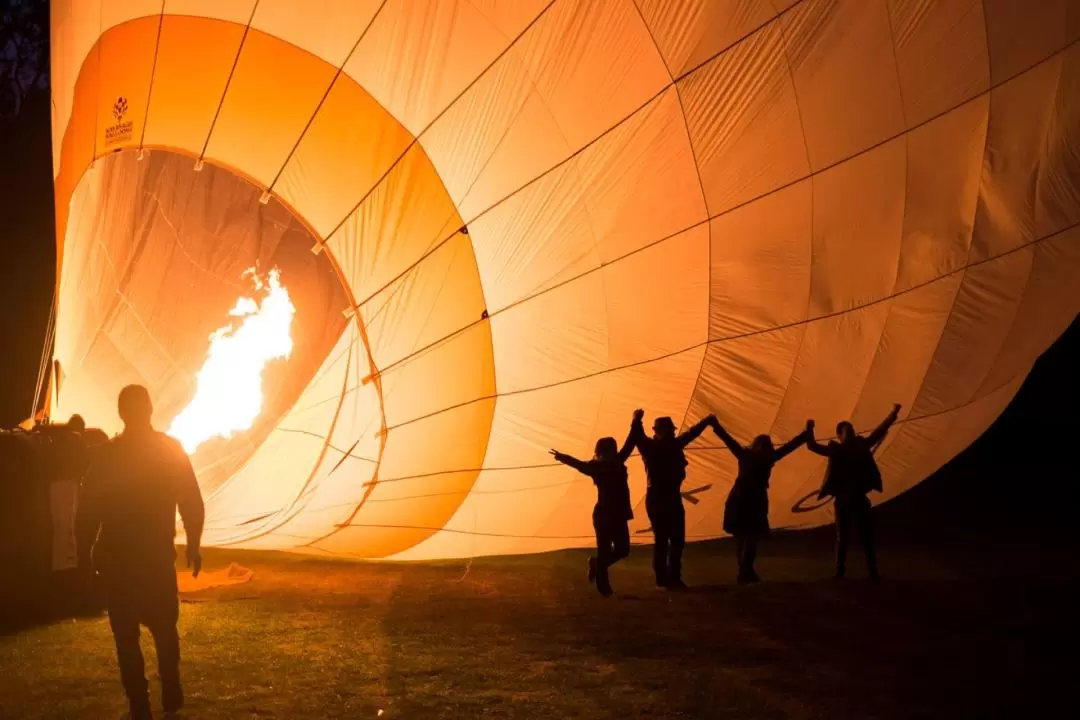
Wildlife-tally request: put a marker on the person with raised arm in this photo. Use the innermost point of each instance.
(612, 512)
(746, 511)
(665, 468)
(852, 474)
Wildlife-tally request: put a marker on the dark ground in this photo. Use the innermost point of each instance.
(981, 629)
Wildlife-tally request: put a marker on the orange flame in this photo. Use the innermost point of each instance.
(228, 396)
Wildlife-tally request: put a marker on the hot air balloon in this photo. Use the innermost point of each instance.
(503, 226)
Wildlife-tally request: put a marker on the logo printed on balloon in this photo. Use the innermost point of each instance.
(122, 130)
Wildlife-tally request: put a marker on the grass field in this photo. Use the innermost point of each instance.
(974, 633)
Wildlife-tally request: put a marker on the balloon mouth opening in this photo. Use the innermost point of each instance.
(161, 273)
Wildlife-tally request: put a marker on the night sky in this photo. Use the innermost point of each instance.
(1023, 472)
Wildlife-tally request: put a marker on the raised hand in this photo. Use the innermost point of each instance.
(810, 426)
(639, 414)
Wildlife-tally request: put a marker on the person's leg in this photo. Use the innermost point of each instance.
(677, 542)
(740, 555)
(162, 617)
(843, 535)
(660, 539)
(603, 553)
(751, 555)
(660, 556)
(620, 541)
(866, 531)
(124, 621)
(594, 561)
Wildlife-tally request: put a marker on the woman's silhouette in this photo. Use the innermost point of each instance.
(746, 512)
(612, 512)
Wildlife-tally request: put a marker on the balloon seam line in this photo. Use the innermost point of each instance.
(153, 73)
(415, 141)
(333, 81)
(704, 203)
(753, 333)
(810, 176)
(228, 81)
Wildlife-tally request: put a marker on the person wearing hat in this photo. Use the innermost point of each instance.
(665, 468)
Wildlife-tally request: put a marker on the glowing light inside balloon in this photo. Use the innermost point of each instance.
(229, 394)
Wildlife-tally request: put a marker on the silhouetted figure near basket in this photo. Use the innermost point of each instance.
(851, 475)
(126, 521)
(612, 512)
(665, 466)
(746, 511)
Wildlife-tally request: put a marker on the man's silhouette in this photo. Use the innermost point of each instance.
(127, 521)
(665, 467)
(851, 475)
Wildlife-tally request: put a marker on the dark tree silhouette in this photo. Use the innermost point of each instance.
(24, 52)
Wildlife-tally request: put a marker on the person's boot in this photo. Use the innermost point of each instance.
(604, 589)
(140, 710)
(591, 570)
(676, 584)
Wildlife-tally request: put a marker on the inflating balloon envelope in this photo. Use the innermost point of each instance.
(505, 225)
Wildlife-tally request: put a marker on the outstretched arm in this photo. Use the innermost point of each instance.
(637, 430)
(793, 444)
(580, 465)
(694, 432)
(811, 442)
(732, 444)
(882, 430)
(628, 445)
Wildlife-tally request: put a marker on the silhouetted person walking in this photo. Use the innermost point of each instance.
(126, 520)
(665, 466)
(746, 511)
(851, 475)
(612, 512)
